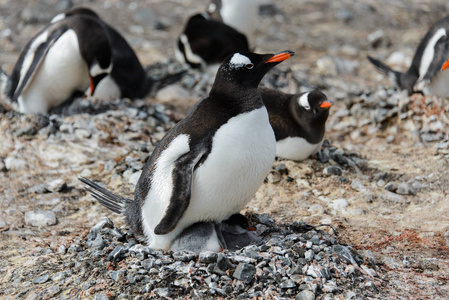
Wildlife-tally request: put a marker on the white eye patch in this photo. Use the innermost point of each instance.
(97, 70)
(239, 60)
(304, 101)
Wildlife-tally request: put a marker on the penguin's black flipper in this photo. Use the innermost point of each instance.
(38, 58)
(182, 189)
(106, 198)
(440, 56)
(394, 76)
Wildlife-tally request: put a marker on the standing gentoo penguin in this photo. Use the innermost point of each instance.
(63, 59)
(127, 78)
(205, 42)
(298, 121)
(424, 72)
(211, 163)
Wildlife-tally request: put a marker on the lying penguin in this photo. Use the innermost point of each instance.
(211, 163)
(61, 62)
(298, 121)
(425, 74)
(206, 42)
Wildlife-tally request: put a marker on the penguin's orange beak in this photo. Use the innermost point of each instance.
(92, 86)
(326, 104)
(445, 65)
(281, 56)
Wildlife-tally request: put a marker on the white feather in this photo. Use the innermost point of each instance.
(296, 148)
(304, 101)
(58, 18)
(106, 89)
(429, 52)
(191, 57)
(241, 15)
(238, 60)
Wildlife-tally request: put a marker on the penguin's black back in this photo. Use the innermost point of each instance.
(212, 40)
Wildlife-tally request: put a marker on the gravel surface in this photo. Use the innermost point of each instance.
(366, 219)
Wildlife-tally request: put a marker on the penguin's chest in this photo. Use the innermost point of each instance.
(439, 86)
(242, 153)
(296, 148)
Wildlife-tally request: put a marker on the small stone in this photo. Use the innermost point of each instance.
(15, 164)
(288, 284)
(97, 243)
(207, 257)
(184, 255)
(405, 189)
(309, 255)
(223, 264)
(305, 295)
(40, 218)
(139, 251)
(358, 186)
(41, 279)
(117, 254)
(274, 177)
(163, 292)
(62, 249)
(118, 276)
(102, 296)
(56, 185)
(134, 177)
(339, 205)
(391, 186)
(332, 170)
(49, 292)
(244, 272)
(350, 295)
(344, 253)
(376, 38)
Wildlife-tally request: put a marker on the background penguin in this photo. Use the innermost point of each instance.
(424, 73)
(240, 15)
(211, 163)
(60, 62)
(298, 121)
(205, 42)
(127, 78)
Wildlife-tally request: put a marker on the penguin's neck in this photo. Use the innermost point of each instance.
(243, 98)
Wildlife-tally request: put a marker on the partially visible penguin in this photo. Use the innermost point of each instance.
(211, 163)
(206, 42)
(298, 121)
(127, 78)
(239, 14)
(424, 74)
(63, 60)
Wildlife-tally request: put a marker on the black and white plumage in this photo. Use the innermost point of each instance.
(424, 74)
(211, 163)
(206, 42)
(298, 121)
(64, 59)
(240, 15)
(127, 78)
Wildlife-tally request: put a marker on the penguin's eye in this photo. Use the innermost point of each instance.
(249, 66)
(307, 107)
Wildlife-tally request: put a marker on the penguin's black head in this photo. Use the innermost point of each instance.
(247, 69)
(314, 105)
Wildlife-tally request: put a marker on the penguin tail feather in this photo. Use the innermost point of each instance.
(386, 70)
(106, 198)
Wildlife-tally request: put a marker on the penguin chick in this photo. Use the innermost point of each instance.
(205, 42)
(298, 121)
(211, 163)
(432, 52)
(62, 60)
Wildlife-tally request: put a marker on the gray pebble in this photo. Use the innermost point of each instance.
(244, 272)
(405, 189)
(332, 170)
(40, 218)
(56, 185)
(391, 186)
(208, 257)
(41, 279)
(305, 295)
(118, 276)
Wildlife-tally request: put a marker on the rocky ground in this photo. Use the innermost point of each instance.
(381, 182)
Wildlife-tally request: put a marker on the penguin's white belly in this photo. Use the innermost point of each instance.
(296, 148)
(439, 86)
(62, 72)
(242, 154)
(106, 89)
